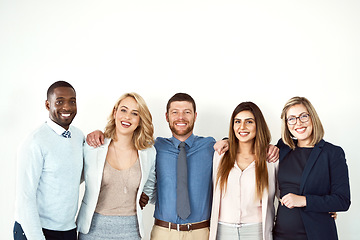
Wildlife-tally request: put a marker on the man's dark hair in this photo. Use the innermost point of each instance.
(56, 85)
(181, 97)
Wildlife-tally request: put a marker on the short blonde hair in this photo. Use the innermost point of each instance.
(143, 136)
(318, 130)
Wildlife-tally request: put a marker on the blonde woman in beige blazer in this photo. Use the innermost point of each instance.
(94, 166)
(117, 173)
(247, 130)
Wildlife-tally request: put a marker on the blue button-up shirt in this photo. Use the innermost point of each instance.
(199, 154)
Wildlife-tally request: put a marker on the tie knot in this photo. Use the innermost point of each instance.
(182, 145)
(66, 134)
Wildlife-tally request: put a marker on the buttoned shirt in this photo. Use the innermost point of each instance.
(239, 204)
(199, 153)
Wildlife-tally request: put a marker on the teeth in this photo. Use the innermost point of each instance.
(125, 123)
(65, 114)
(243, 134)
(300, 129)
(181, 124)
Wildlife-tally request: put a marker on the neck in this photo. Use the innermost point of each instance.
(182, 138)
(124, 142)
(305, 143)
(246, 148)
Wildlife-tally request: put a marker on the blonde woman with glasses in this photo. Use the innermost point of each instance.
(313, 176)
(117, 173)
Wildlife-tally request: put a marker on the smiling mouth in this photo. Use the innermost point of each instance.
(126, 124)
(65, 115)
(244, 134)
(300, 130)
(180, 124)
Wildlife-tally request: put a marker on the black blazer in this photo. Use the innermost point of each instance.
(325, 183)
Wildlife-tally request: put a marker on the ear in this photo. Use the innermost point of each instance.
(167, 117)
(195, 116)
(47, 105)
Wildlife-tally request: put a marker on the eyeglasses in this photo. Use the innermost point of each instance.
(304, 117)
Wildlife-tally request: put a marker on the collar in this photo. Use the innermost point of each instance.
(189, 141)
(56, 127)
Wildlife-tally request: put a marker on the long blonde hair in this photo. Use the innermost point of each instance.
(143, 136)
(318, 130)
(262, 141)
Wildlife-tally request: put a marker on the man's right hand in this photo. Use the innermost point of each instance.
(221, 146)
(95, 139)
(144, 199)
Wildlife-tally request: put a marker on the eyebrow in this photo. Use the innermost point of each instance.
(58, 98)
(244, 119)
(177, 109)
(123, 106)
(299, 114)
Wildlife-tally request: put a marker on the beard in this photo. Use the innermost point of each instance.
(182, 132)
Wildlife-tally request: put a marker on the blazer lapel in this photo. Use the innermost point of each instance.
(310, 163)
(142, 159)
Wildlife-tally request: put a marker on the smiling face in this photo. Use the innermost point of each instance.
(301, 130)
(127, 117)
(181, 118)
(245, 126)
(62, 106)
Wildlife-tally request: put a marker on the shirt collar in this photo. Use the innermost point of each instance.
(189, 141)
(56, 127)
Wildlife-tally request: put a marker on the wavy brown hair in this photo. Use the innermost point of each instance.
(143, 136)
(262, 141)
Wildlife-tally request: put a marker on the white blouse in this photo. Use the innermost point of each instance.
(239, 204)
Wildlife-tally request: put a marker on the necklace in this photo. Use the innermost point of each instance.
(124, 178)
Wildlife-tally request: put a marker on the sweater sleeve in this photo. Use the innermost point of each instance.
(29, 169)
(339, 197)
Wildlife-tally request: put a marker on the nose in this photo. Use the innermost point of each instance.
(128, 115)
(66, 106)
(298, 122)
(181, 115)
(242, 125)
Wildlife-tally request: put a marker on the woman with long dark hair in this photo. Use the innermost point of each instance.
(244, 182)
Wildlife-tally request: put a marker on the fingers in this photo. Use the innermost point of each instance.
(286, 202)
(224, 149)
(333, 215)
(273, 153)
(95, 139)
(221, 146)
(291, 200)
(144, 199)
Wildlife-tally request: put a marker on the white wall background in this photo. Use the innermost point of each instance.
(220, 52)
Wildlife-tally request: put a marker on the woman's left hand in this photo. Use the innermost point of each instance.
(291, 200)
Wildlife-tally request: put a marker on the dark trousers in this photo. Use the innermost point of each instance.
(49, 234)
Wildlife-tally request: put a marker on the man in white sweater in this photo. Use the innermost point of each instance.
(49, 168)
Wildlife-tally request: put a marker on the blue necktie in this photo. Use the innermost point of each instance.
(182, 192)
(66, 134)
